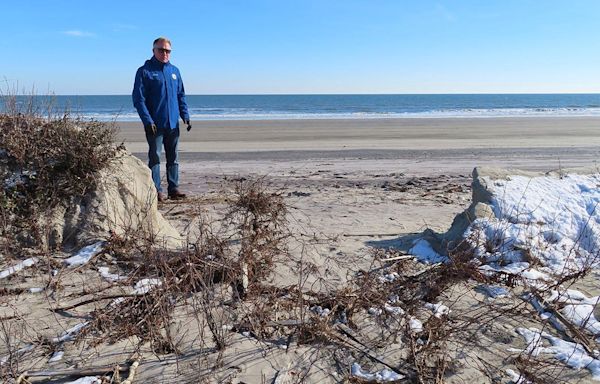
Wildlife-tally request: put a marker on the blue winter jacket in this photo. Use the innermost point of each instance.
(158, 94)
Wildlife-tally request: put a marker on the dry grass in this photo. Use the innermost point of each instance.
(45, 162)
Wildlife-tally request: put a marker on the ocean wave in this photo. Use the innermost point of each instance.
(511, 112)
(255, 114)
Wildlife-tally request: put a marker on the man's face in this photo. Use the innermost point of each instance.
(162, 51)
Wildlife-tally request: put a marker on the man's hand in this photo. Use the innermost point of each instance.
(189, 125)
(150, 129)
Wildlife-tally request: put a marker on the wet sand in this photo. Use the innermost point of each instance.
(418, 145)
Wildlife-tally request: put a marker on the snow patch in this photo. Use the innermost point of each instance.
(57, 356)
(555, 221)
(19, 352)
(380, 376)
(84, 255)
(438, 309)
(86, 380)
(320, 311)
(423, 251)
(494, 291)
(104, 272)
(145, 285)
(70, 333)
(416, 326)
(396, 311)
(517, 378)
(388, 277)
(17, 267)
(571, 354)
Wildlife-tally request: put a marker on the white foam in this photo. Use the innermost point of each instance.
(216, 114)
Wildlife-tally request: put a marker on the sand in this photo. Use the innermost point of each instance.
(357, 185)
(352, 186)
(391, 134)
(345, 166)
(371, 181)
(422, 145)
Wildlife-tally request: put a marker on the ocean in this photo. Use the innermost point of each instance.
(258, 107)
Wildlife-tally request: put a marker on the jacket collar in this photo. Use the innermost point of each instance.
(160, 64)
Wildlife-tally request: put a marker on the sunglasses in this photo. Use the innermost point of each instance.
(163, 50)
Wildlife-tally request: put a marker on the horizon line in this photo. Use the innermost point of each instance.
(336, 94)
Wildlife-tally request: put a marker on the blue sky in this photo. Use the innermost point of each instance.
(306, 46)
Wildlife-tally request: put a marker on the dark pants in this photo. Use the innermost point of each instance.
(170, 139)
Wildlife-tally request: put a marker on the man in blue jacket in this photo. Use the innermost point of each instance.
(159, 97)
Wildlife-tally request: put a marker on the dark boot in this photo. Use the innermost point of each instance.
(176, 195)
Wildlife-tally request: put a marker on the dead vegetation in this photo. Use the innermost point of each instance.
(222, 284)
(223, 280)
(45, 162)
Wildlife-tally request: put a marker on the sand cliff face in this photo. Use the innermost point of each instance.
(124, 202)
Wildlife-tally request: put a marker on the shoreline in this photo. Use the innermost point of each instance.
(377, 134)
(416, 145)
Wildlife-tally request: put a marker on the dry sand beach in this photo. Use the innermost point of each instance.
(352, 168)
(378, 177)
(358, 194)
(369, 149)
(358, 185)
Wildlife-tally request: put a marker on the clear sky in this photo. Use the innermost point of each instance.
(306, 46)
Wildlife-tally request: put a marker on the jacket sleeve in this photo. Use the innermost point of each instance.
(183, 108)
(139, 98)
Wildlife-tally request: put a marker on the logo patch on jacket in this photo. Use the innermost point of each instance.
(174, 76)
